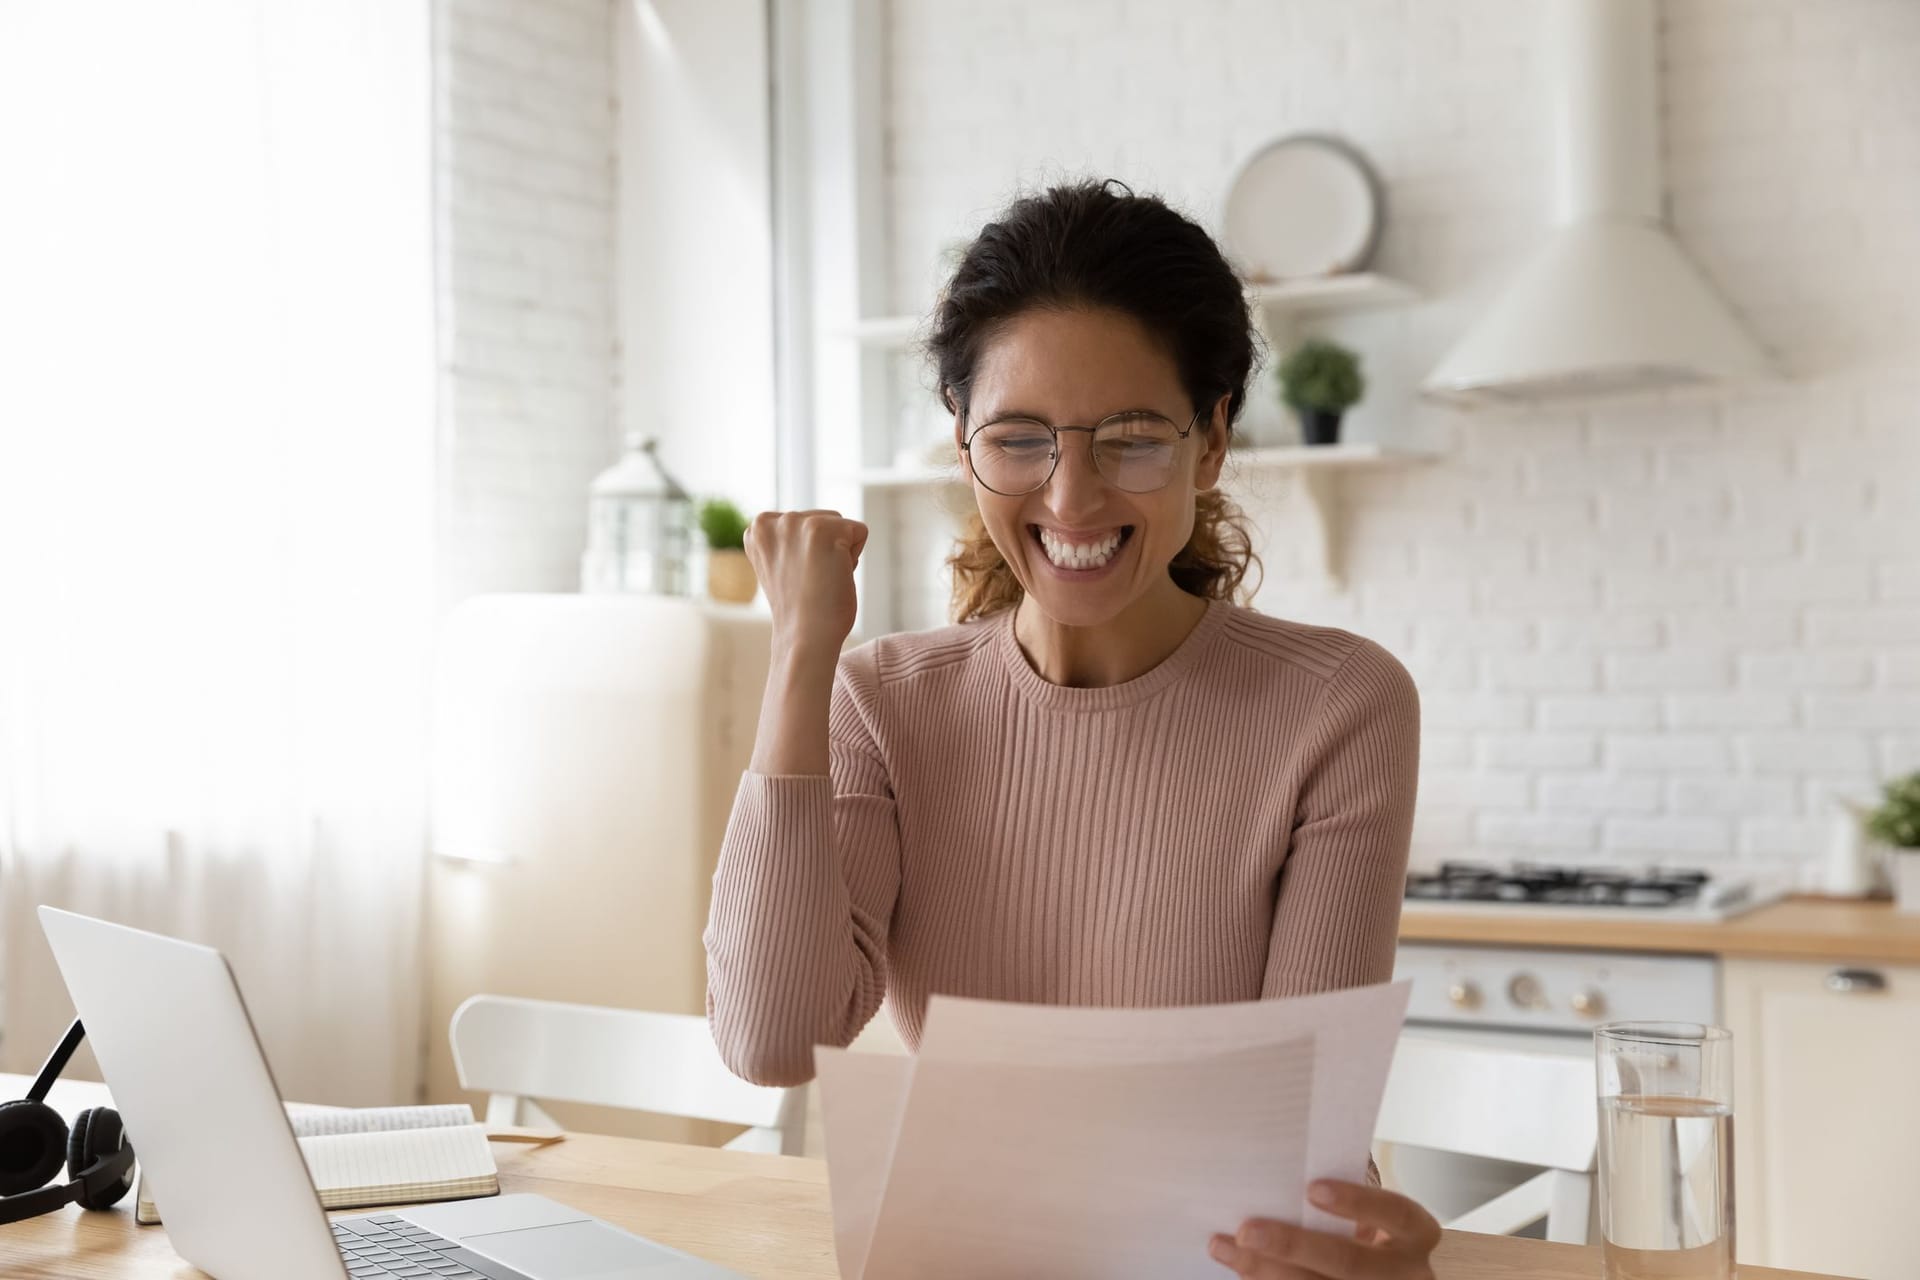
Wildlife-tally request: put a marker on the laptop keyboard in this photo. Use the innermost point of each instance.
(385, 1244)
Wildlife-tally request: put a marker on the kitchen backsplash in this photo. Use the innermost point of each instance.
(1662, 630)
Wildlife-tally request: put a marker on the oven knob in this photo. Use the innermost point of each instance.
(1525, 992)
(1464, 995)
(1589, 1003)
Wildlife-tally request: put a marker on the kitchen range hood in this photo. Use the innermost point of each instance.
(1611, 304)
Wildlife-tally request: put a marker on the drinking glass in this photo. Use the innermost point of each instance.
(1666, 1150)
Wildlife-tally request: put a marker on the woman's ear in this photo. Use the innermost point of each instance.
(1214, 455)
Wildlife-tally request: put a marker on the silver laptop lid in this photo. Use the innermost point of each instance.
(187, 1075)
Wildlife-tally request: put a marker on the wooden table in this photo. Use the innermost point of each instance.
(765, 1216)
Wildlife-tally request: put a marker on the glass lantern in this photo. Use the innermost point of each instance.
(639, 527)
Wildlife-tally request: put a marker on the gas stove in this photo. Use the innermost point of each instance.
(1654, 893)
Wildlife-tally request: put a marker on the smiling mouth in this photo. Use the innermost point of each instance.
(1080, 556)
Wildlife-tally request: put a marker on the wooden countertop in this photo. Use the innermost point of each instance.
(765, 1216)
(1802, 928)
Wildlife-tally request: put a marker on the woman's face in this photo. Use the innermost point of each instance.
(1083, 549)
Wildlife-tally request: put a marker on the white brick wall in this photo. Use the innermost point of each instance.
(524, 178)
(1644, 631)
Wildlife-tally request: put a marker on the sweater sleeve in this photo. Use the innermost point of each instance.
(809, 869)
(1344, 875)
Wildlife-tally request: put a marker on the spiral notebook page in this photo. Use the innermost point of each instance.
(399, 1166)
(312, 1122)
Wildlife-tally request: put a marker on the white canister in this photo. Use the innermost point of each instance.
(1906, 880)
(1849, 870)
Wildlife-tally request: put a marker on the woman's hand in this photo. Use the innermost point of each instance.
(805, 560)
(1393, 1238)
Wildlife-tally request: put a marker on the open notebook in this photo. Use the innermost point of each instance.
(361, 1157)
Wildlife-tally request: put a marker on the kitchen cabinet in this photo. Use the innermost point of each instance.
(1827, 1116)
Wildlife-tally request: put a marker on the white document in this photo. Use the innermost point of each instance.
(1098, 1142)
(861, 1096)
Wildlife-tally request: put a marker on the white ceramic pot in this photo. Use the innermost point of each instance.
(1906, 881)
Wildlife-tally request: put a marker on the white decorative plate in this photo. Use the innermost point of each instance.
(1302, 207)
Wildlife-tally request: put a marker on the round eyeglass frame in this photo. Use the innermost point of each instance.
(1053, 466)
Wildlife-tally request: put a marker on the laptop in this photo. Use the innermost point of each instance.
(188, 1078)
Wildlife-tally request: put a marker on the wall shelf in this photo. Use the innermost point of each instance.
(1327, 456)
(1317, 470)
(1284, 312)
(1357, 291)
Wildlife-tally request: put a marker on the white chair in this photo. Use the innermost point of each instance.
(520, 1052)
(1515, 1104)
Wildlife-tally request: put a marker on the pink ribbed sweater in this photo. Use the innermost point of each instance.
(1231, 825)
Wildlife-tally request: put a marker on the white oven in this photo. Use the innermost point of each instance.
(1538, 999)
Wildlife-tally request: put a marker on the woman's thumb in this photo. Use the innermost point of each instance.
(856, 541)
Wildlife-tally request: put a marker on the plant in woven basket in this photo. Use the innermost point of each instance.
(729, 572)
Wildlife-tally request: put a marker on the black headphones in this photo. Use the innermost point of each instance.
(34, 1140)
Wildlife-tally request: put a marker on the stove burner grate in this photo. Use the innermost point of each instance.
(1573, 886)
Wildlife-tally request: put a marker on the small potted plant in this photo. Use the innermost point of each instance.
(1896, 823)
(1320, 380)
(729, 572)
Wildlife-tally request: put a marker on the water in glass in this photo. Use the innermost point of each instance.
(1666, 1187)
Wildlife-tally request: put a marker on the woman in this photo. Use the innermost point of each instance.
(1107, 784)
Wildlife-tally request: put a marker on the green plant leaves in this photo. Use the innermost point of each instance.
(723, 524)
(1319, 374)
(1897, 821)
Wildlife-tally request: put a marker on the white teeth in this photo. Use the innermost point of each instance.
(1071, 555)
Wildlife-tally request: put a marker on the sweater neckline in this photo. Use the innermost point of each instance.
(1038, 689)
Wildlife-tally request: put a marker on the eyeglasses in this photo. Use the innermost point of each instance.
(1134, 451)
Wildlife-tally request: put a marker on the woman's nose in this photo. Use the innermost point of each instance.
(1076, 488)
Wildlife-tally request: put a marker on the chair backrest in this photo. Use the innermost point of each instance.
(1505, 1103)
(1509, 1102)
(554, 1052)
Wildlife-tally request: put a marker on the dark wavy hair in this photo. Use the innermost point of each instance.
(1096, 245)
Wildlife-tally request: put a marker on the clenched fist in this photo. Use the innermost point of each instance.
(805, 562)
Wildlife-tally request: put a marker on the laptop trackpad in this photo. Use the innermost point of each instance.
(588, 1251)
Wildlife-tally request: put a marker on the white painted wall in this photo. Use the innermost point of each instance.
(695, 247)
(524, 166)
(605, 266)
(1646, 631)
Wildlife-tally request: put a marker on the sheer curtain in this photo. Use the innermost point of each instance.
(217, 456)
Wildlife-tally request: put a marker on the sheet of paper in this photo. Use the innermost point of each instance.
(1119, 1171)
(1024, 1134)
(861, 1096)
(1354, 1033)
